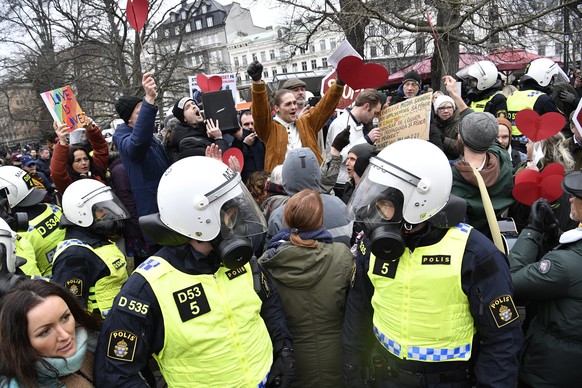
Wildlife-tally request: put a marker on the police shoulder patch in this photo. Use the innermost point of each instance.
(75, 286)
(122, 345)
(544, 266)
(503, 310)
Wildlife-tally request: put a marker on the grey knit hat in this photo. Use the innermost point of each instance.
(478, 130)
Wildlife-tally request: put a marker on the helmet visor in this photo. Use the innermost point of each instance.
(241, 217)
(109, 210)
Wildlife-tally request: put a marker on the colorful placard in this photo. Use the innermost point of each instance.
(409, 119)
(64, 108)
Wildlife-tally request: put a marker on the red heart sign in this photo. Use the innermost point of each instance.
(359, 75)
(237, 154)
(211, 84)
(538, 128)
(137, 13)
(531, 185)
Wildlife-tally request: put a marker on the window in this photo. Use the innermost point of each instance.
(302, 50)
(199, 24)
(313, 64)
(400, 47)
(386, 49)
(420, 46)
(332, 43)
(263, 56)
(311, 48)
(167, 32)
(244, 60)
(322, 45)
(542, 49)
(372, 30)
(183, 15)
(284, 69)
(176, 30)
(188, 27)
(204, 8)
(236, 62)
(209, 21)
(295, 67)
(274, 71)
(495, 38)
(254, 57)
(521, 31)
(304, 65)
(247, 78)
(373, 52)
(385, 29)
(265, 73)
(272, 54)
(559, 49)
(324, 62)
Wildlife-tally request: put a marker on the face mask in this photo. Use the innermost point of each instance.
(109, 229)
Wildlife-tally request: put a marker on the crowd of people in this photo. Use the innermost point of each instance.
(316, 259)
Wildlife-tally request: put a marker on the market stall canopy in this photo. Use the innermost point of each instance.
(508, 60)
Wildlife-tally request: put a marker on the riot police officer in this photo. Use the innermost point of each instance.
(87, 262)
(484, 88)
(432, 299)
(207, 315)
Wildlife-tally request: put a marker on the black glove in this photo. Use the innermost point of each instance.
(541, 216)
(255, 71)
(283, 369)
(352, 376)
(342, 139)
(568, 97)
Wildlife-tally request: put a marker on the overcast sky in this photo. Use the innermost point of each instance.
(264, 12)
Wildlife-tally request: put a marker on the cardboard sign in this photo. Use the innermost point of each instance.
(64, 108)
(409, 119)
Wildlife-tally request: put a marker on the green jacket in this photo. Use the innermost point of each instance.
(312, 284)
(553, 342)
(498, 177)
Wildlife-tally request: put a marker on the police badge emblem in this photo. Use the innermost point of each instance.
(121, 349)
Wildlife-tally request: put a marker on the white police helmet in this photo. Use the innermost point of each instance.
(88, 202)
(485, 72)
(21, 190)
(7, 246)
(200, 198)
(416, 170)
(545, 72)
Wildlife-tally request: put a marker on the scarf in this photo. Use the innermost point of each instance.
(321, 235)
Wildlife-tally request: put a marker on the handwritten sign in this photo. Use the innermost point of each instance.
(64, 108)
(409, 119)
(228, 83)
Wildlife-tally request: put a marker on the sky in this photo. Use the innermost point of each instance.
(264, 12)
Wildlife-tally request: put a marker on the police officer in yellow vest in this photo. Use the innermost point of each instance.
(43, 218)
(208, 316)
(87, 262)
(431, 301)
(483, 88)
(534, 93)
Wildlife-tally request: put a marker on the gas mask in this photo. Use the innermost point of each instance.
(17, 221)
(382, 222)
(108, 219)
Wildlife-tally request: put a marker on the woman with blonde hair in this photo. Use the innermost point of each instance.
(312, 275)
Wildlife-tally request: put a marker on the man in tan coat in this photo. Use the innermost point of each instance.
(285, 131)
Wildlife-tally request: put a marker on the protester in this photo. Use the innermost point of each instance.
(550, 281)
(574, 144)
(198, 298)
(312, 275)
(47, 338)
(286, 132)
(251, 146)
(409, 88)
(504, 138)
(43, 162)
(417, 268)
(87, 262)
(38, 178)
(73, 162)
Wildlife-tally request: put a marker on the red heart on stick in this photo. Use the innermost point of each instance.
(359, 75)
(236, 153)
(539, 128)
(137, 13)
(531, 185)
(211, 84)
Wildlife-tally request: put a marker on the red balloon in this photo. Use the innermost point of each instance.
(137, 13)
(359, 75)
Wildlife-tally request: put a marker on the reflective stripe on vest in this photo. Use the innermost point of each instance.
(479, 106)
(520, 100)
(103, 292)
(44, 234)
(214, 334)
(420, 309)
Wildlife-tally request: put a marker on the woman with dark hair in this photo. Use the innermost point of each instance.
(312, 275)
(73, 162)
(47, 338)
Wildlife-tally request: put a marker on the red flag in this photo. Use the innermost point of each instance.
(137, 13)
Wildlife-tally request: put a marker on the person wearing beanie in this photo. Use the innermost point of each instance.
(142, 154)
(191, 135)
(480, 149)
(504, 138)
(410, 87)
